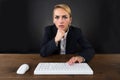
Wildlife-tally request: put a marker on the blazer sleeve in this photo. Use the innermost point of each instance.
(48, 45)
(87, 49)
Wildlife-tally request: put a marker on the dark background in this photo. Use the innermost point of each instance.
(22, 23)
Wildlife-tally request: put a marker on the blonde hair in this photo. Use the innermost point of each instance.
(65, 7)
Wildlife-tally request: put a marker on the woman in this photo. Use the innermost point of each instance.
(63, 38)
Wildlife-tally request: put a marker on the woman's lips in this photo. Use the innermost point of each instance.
(61, 26)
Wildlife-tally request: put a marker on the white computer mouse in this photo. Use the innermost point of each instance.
(22, 69)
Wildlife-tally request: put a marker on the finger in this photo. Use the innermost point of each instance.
(72, 60)
(79, 59)
(62, 31)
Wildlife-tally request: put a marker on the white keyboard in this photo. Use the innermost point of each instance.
(63, 69)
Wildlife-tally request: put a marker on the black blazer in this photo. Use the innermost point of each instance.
(75, 43)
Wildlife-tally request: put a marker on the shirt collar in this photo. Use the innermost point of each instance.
(66, 33)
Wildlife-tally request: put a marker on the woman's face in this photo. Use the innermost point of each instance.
(61, 19)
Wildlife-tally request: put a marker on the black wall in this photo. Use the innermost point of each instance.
(22, 23)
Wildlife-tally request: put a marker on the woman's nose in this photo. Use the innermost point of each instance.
(61, 20)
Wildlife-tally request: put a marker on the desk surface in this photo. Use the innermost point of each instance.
(105, 66)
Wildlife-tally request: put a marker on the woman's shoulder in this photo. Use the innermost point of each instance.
(50, 27)
(75, 29)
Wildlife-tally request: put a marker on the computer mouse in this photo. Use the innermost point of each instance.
(22, 69)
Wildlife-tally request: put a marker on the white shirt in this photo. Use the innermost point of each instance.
(63, 44)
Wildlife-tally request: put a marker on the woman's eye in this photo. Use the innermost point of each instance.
(57, 17)
(65, 17)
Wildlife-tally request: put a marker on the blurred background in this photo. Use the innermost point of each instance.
(22, 23)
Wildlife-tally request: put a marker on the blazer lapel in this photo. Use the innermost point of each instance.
(68, 39)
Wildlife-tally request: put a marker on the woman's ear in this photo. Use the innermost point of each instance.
(53, 19)
(70, 20)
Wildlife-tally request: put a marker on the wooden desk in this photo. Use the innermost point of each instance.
(105, 66)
